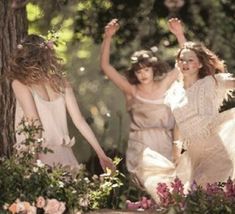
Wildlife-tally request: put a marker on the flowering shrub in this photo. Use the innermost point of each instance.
(214, 198)
(49, 206)
(23, 179)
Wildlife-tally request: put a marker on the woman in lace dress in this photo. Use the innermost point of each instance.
(207, 135)
(149, 91)
(43, 94)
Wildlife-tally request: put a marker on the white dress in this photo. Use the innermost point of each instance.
(208, 137)
(54, 121)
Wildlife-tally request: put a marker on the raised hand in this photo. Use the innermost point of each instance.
(175, 26)
(111, 28)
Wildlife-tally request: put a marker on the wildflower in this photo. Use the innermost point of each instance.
(54, 207)
(229, 188)
(212, 189)
(35, 169)
(194, 186)
(21, 207)
(61, 184)
(84, 202)
(40, 164)
(164, 194)
(154, 49)
(50, 44)
(20, 46)
(134, 59)
(177, 186)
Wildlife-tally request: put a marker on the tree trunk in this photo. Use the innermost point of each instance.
(13, 27)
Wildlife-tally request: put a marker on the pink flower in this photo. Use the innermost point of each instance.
(133, 205)
(164, 194)
(22, 207)
(229, 188)
(177, 186)
(40, 202)
(50, 44)
(214, 188)
(54, 207)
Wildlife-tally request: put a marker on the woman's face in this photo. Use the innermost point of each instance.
(188, 63)
(145, 75)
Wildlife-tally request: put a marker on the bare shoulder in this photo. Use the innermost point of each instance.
(20, 89)
(17, 85)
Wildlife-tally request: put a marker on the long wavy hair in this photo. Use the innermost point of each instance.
(144, 58)
(211, 64)
(34, 62)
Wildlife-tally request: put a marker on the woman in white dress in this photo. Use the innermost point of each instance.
(149, 90)
(43, 94)
(208, 136)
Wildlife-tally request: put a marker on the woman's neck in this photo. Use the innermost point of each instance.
(189, 81)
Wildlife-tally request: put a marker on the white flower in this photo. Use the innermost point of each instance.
(5, 206)
(95, 177)
(40, 164)
(154, 49)
(35, 169)
(61, 184)
(134, 59)
(54, 207)
(145, 55)
(40, 140)
(19, 46)
(83, 202)
(86, 180)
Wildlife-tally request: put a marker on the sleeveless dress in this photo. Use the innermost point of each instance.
(151, 128)
(208, 136)
(54, 121)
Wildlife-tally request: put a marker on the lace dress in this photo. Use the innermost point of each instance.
(54, 121)
(208, 136)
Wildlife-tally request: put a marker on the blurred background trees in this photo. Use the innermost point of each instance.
(77, 27)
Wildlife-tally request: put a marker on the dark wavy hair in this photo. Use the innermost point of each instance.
(144, 58)
(35, 61)
(211, 64)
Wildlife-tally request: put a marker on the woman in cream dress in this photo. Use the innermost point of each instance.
(207, 135)
(148, 92)
(43, 94)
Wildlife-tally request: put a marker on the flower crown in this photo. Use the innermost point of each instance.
(135, 59)
(46, 44)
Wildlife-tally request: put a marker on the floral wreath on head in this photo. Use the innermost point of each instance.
(46, 44)
(154, 49)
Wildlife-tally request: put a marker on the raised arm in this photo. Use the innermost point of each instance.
(110, 29)
(176, 27)
(84, 128)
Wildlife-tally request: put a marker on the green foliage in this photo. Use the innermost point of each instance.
(23, 178)
(215, 198)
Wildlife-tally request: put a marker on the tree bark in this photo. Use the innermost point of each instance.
(13, 27)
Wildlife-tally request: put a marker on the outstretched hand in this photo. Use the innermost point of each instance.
(175, 26)
(107, 163)
(111, 28)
